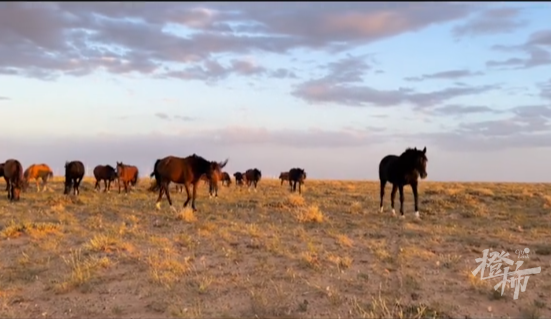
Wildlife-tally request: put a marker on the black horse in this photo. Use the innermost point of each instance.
(400, 171)
(74, 172)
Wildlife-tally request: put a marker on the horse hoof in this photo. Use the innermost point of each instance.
(381, 210)
(158, 205)
(393, 213)
(402, 217)
(417, 216)
(172, 208)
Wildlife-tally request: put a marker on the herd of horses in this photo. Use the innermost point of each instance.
(400, 171)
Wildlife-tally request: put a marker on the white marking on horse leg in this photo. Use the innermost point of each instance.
(403, 216)
(255, 190)
(393, 212)
(172, 208)
(158, 205)
(382, 209)
(417, 215)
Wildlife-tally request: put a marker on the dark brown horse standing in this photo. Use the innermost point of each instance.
(187, 170)
(296, 176)
(226, 180)
(284, 176)
(252, 177)
(74, 173)
(13, 172)
(36, 172)
(400, 171)
(238, 178)
(105, 173)
(5, 178)
(128, 174)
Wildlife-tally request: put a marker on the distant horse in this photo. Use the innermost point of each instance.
(5, 178)
(74, 172)
(296, 175)
(252, 177)
(238, 178)
(187, 170)
(13, 171)
(37, 171)
(284, 176)
(400, 171)
(128, 174)
(226, 180)
(105, 173)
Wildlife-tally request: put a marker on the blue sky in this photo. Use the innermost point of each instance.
(330, 88)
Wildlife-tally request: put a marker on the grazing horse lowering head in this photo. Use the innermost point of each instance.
(416, 160)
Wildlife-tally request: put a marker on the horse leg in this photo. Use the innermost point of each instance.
(383, 184)
(126, 187)
(37, 186)
(300, 188)
(416, 198)
(161, 190)
(193, 197)
(119, 183)
(96, 186)
(77, 185)
(255, 183)
(167, 192)
(401, 189)
(186, 185)
(392, 197)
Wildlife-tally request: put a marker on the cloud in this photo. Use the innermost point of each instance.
(545, 90)
(4, 98)
(451, 74)
(459, 110)
(528, 126)
(342, 85)
(79, 38)
(164, 116)
(535, 48)
(490, 22)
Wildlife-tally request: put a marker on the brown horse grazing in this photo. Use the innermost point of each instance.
(238, 178)
(226, 180)
(128, 174)
(37, 171)
(74, 172)
(296, 175)
(5, 178)
(252, 177)
(187, 170)
(13, 171)
(105, 173)
(284, 176)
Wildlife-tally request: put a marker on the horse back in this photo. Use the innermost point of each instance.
(13, 171)
(176, 169)
(75, 169)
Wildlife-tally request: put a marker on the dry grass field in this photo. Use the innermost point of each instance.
(326, 254)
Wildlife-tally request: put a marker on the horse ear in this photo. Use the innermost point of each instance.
(425, 150)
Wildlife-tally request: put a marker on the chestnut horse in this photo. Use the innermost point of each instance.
(13, 172)
(37, 171)
(186, 170)
(128, 174)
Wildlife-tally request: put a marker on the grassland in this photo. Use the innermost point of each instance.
(271, 254)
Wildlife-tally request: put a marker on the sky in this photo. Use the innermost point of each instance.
(328, 87)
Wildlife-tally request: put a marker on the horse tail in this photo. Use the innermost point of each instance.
(136, 177)
(156, 172)
(50, 174)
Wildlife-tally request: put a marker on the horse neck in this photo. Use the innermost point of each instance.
(406, 163)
